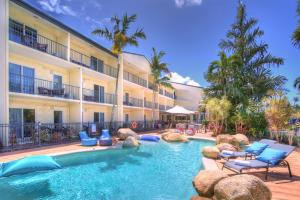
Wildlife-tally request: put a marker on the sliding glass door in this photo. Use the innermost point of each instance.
(21, 79)
(22, 121)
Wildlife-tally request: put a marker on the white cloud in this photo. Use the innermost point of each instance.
(182, 3)
(177, 78)
(56, 7)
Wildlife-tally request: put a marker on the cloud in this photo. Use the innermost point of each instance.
(182, 3)
(177, 78)
(56, 7)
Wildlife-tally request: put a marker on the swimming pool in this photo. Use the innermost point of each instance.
(154, 171)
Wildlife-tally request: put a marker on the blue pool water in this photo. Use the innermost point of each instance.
(154, 171)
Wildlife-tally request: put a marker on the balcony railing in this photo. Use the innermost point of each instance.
(31, 85)
(162, 107)
(148, 104)
(169, 94)
(85, 61)
(161, 91)
(36, 41)
(151, 86)
(135, 79)
(130, 101)
(95, 96)
(168, 107)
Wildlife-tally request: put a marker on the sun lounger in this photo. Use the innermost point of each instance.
(266, 159)
(246, 154)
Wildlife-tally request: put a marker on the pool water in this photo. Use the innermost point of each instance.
(154, 171)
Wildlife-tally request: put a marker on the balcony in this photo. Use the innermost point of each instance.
(161, 91)
(135, 79)
(162, 107)
(169, 94)
(130, 101)
(35, 86)
(28, 37)
(97, 97)
(149, 104)
(84, 60)
(168, 107)
(151, 86)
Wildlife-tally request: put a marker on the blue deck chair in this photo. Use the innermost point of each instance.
(86, 140)
(105, 139)
(265, 160)
(247, 153)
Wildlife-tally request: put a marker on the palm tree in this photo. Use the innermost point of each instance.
(244, 41)
(160, 73)
(120, 38)
(224, 75)
(296, 34)
(297, 83)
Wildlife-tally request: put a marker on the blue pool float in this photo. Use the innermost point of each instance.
(152, 138)
(28, 164)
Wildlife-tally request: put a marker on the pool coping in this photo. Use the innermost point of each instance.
(208, 163)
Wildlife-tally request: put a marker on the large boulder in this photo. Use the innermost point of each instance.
(211, 152)
(242, 139)
(205, 181)
(226, 146)
(199, 198)
(174, 137)
(131, 142)
(123, 133)
(226, 138)
(242, 187)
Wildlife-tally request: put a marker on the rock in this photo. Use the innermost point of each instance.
(226, 146)
(174, 137)
(242, 187)
(205, 181)
(131, 142)
(199, 198)
(242, 139)
(226, 138)
(123, 133)
(210, 152)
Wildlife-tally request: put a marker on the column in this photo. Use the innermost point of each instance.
(4, 97)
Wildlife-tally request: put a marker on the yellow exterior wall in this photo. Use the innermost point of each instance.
(42, 70)
(89, 109)
(44, 109)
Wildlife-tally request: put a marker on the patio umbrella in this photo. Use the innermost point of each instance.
(178, 110)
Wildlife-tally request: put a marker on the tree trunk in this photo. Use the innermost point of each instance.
(116, 96)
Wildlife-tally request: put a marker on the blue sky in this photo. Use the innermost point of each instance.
(187, 30)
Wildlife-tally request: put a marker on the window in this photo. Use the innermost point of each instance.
(21, 79)
(97, 64)
(15, 31)
(25, 117)
(58, 117)
(57, 82)
(99, 93)
(127, 98)
(126, 118)
(99, 117)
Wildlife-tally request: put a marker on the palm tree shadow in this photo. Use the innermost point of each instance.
(26, 191)
(131, 157)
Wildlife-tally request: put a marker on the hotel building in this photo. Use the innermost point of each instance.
(52, 74)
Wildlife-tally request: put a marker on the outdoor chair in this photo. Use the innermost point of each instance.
(274, 156)
(252, 151)
(105, 138)
(86, 140)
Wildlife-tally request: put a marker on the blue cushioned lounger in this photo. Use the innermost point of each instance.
(246, 154)
(258, 163)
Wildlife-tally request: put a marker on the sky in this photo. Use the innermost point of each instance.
(189, 31)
